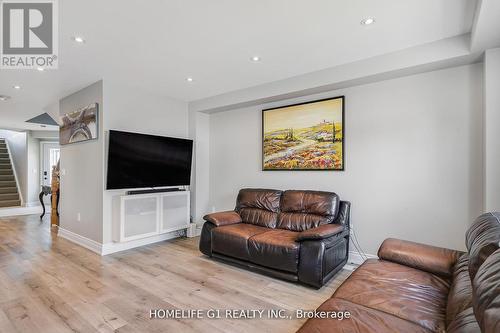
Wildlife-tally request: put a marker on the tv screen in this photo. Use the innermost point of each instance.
(140, 161)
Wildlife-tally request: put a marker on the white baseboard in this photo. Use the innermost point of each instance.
(355, 258)
(16, 211)
(85, 242)
(194, 230)
(108, 248)
(36, 204)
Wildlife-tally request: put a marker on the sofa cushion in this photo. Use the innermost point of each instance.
(464, 322)
(276, 249)
(259, 206)
(402, 291)
(362, 320)
(232, 240)
(302, 210)
(259, 217)
(486, 291)
(300, 221)
(482, 239)
(460, 296)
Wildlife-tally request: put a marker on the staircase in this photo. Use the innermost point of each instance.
(9, 197)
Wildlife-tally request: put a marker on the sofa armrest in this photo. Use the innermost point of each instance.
(344, 214)
(223, 218)
(432, 259)
(321, 232)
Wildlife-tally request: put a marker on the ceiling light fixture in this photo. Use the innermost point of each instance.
(78, 39)
(16, 87)
(4, 97)
(255, 59)
(368, 21)
(189, 79)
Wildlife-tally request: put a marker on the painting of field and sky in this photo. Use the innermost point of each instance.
(308, 136)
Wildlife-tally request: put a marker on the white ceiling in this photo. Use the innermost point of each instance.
(156, 44)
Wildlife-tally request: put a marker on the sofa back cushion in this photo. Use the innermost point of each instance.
(460, 296)
(259, 206)
(486, 295)
(482, 239)
(302, 210)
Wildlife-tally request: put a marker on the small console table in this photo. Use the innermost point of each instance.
(46, 190)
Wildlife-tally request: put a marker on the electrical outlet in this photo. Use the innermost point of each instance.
(78, 217)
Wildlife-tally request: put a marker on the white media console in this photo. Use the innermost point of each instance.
(143, 216)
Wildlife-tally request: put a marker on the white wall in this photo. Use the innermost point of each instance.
(492, 129)
(81, 171)
(134, 110)
(413, 157)
(199, 131)
(46, 135)
(33, 170)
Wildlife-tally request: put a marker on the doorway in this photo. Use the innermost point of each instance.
(49, 156)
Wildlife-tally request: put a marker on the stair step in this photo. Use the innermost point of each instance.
(7, 183)
(7, 177)
(3, 150)
(8, 190)
(9, 196)
(4, 155)
(10, 203)
(5, 166)
(6, 172)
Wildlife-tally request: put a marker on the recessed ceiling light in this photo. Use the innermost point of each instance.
(189, 79)
(368, 21)
(40, 69)
(255, 59)
(78, 39)
(4, 97)
(16, 87)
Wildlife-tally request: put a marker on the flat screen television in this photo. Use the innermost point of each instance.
(146, 161)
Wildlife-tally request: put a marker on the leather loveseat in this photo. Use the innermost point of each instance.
(420, 288)
(294, 235)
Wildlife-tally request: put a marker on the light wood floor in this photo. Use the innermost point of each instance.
(48, 284)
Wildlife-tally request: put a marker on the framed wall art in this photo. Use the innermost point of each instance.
(80, 125)
(305, 136)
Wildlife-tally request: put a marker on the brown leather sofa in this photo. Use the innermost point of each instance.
(420, 288)
(294, 235)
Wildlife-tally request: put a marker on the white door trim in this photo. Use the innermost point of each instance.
(42, 146)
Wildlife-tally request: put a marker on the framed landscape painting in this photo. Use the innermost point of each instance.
(306, 136)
